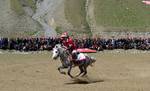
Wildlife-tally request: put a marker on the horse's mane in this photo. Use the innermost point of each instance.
(63, 52)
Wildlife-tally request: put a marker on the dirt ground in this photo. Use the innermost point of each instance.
(113, 71)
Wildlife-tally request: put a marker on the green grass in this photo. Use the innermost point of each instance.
(30, 33)
(130, 14)
(59, 30)
(17, 7)
(32, 4)
(75, 12)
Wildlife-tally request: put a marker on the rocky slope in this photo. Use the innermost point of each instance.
(51, 17)
(12, 24)
(22, 18)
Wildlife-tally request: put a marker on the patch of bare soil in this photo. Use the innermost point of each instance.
(111, 72)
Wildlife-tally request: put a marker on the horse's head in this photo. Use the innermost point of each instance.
(56, 51)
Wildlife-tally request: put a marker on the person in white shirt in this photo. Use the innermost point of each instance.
(78, 57)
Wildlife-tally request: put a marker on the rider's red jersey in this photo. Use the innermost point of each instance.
(69, 43)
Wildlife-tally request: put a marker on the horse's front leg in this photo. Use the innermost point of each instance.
(81, 71)
(60, 70)
(85, 70)
(69, 71)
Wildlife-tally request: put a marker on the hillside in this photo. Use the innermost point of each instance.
(15, 23)
(110, 16)
(46, 17)
(122, 15)
(75, 13)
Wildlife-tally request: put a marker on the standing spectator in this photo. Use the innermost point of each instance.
(0, 43)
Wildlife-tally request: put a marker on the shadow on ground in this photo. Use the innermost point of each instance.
(84, 81)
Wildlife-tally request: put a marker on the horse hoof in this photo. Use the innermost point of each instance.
(91, 65)
(71, 76)
(63, 73)
(76, 76)
(84, 76)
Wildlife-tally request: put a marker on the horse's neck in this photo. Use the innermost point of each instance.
(63, 55)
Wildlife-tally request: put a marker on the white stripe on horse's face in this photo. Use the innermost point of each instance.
(55, 53)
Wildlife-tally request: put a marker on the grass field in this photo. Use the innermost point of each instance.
(76, 14)
(109, 16)
(116, 15)
(17, 6)
(113, 71)
(129, 14)
(31, 4)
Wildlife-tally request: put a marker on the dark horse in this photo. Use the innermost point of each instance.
(67, 63)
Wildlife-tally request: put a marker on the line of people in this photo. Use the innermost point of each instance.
(99, 44)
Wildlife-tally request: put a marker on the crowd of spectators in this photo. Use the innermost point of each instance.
(99, 44)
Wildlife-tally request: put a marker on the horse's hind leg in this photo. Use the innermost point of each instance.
(85, 70)
(59, 69)
(69, 71)
(81, 71)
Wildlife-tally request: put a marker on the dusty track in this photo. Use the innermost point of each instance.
(112, 72)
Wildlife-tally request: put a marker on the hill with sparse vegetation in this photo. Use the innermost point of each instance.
(127, 15)
(34, 17)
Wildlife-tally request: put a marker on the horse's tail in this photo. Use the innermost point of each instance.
(91, 60)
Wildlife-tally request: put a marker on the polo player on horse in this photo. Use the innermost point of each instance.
(68, 43)
(78, 59)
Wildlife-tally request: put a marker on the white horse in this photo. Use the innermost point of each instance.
(67, 63)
